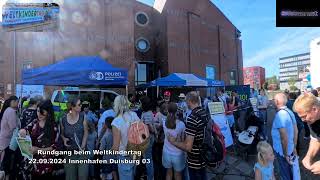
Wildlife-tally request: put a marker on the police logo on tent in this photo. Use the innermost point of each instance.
(96, 76)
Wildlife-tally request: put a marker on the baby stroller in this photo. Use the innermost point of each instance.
(248, 139)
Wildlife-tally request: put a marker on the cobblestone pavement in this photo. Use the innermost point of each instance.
(240, 167)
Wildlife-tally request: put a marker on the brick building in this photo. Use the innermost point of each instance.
(173, 36)
(254, 76)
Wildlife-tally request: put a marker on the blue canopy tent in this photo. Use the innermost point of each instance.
(186, 80)
(77, 71)
(183, 80)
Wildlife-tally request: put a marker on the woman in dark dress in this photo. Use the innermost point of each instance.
(43, 134)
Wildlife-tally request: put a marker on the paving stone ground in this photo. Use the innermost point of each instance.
(239, 167)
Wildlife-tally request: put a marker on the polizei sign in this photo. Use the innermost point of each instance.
(100, 76)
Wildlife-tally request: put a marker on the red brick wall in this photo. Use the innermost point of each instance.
(207, 26)
(99, 24)
(89, 26)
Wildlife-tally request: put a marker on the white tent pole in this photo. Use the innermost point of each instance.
(21, 89)
(127, 90)
(157, 91)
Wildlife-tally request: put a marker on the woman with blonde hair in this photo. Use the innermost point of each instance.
(264, 167)
(120, 127)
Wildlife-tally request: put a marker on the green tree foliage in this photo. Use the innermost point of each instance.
(291, 82)
(265, 85)
(273, 82)
(293, 88)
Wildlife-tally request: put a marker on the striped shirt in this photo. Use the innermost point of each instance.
(196, 124)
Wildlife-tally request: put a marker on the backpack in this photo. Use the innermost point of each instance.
(138, 137)
(213, 150)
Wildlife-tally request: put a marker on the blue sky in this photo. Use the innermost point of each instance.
(262, 42)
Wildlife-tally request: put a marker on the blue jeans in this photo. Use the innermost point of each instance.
(186, 172)
(148, 155)
(263, 114)
(285, 169)
(197, 174)
(126, 170)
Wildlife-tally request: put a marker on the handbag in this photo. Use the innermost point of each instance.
(13, 145)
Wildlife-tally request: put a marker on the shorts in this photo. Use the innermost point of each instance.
(177, 162)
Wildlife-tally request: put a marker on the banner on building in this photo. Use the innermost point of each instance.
(29, 90)
(314, 62)
(23, 15)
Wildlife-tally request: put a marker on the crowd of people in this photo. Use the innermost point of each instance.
(176, 129)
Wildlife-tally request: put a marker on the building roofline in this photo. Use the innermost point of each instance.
(254, 67)
(302, 54)
(144, 4)
(212, 4)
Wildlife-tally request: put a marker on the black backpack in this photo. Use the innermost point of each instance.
(213, 149)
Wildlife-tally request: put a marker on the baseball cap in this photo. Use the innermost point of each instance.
(167, 93)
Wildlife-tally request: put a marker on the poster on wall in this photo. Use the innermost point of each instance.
(29, 90)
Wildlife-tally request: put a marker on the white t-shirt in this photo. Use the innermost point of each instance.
(122, 123)
(177, 132)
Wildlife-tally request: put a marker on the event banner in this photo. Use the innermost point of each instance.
(216, 107)
(222, 122)
(22, 15)
(242, 90)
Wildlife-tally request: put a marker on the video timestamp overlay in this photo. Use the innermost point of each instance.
(82, 157)
(298, 13)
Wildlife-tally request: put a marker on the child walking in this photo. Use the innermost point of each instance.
(264, 167)
(91, 141)
(108, 171)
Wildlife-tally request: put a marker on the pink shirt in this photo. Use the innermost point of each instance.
(8, 124)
